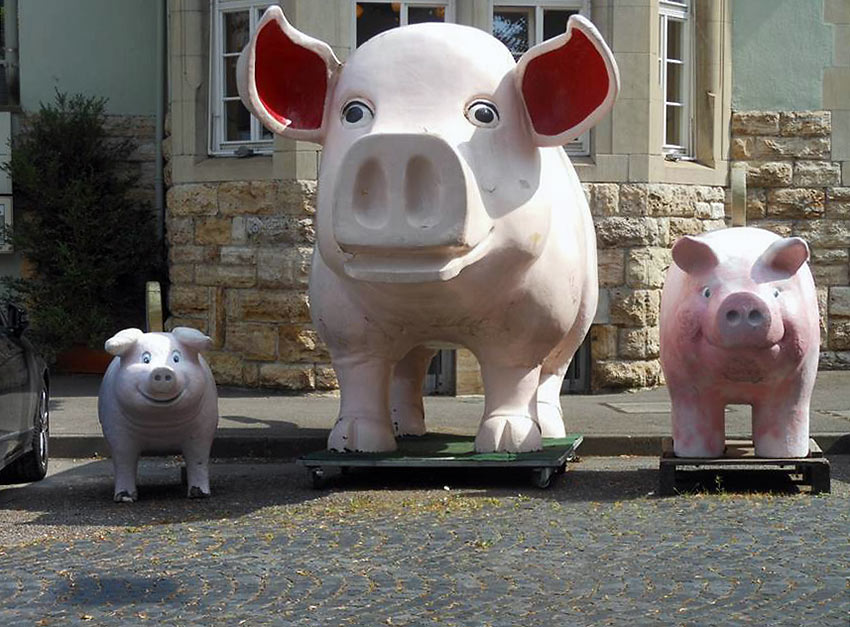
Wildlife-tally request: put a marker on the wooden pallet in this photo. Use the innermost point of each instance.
(448, 451)
(740, 456)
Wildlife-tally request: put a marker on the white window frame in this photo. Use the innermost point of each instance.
(403, 16)
(679, 10)
(218, 145)
(579, 147)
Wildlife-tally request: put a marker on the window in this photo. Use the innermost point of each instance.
(522, 25)
(675, 72)
(232, 127)
(8, 55)
(372, 18)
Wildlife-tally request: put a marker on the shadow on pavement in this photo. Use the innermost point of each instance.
(82, 495)
(574, 485)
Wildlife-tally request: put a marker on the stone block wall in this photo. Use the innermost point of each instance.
(636, 226)
(239, 260)
(141, 163)
(794, 188)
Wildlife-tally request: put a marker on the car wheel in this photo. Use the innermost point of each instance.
(32, 465)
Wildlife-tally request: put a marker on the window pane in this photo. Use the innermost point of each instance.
(237, 123)
(376, 17)
(675, 39)
(236, 31)
(555, 23)
(674, 126)
(418, 15)
(675, 82)
(513, 28)
(230, 76)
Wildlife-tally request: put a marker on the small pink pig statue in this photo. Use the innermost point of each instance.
(739, 324)
(158, 395)
(448, 213)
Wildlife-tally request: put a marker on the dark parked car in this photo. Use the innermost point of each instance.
(24, 401)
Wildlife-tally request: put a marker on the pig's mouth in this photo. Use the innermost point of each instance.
(161, 401)
(412, 265)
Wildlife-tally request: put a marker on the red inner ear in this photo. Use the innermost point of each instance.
(291, 80)
(562, 87)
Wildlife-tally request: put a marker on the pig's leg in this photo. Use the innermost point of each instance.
(406, 408)
(550, 416)
(364, 415)
(510, 409)
(781, 423)
(196, 454)
(125, 460)
(699, 424)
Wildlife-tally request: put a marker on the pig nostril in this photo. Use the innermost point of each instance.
(168, 377)
(369, 202)
(755, 317)
(421, 193)
(157, 378)
(733, 316)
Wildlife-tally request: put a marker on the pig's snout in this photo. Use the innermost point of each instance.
(745, 320)
(404, 193)
(163, 382)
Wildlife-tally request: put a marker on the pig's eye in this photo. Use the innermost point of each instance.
(146, 358)
(706, 291)
(776, 292)
(176, 357)
(482, 113)
(356, 114)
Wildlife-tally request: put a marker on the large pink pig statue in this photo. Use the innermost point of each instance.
(739, 324)
(158, 395)
(448, 213)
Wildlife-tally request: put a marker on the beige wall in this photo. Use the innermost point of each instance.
(240, 230)
(626, 145)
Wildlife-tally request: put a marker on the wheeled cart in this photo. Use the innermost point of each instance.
(740, 455)
(449, 451)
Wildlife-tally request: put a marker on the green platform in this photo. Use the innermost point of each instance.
(439, 450)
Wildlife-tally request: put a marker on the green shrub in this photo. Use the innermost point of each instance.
(91, 245)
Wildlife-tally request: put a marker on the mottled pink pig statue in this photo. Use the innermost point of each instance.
(158, 395)
(739, 324)
(448, 213)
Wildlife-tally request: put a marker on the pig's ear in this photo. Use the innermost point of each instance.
(693, 255)
(568, 83)
(192, 338)
(285, 78)
(785, 256)
(122, 341)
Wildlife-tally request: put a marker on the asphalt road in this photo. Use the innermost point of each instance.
(400, 548)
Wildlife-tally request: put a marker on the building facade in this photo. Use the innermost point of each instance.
(98, 48)
(705, 84)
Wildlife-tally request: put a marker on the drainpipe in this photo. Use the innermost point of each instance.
(10, 32)
(159, 180)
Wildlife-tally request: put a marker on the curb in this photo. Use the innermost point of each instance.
(226, 446)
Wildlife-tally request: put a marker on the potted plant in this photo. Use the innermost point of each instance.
(89, 245)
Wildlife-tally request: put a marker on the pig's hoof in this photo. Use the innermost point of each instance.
(125, 497)
(769, 447)
(408, 419)
(551, 421)
(198, 493)
(357, 434)
(703, 450)
(513, 434)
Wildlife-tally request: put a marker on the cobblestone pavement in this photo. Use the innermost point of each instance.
(597, 548)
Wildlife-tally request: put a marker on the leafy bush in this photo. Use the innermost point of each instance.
(89, 245)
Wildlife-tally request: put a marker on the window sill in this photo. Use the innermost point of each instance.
(696, 173)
